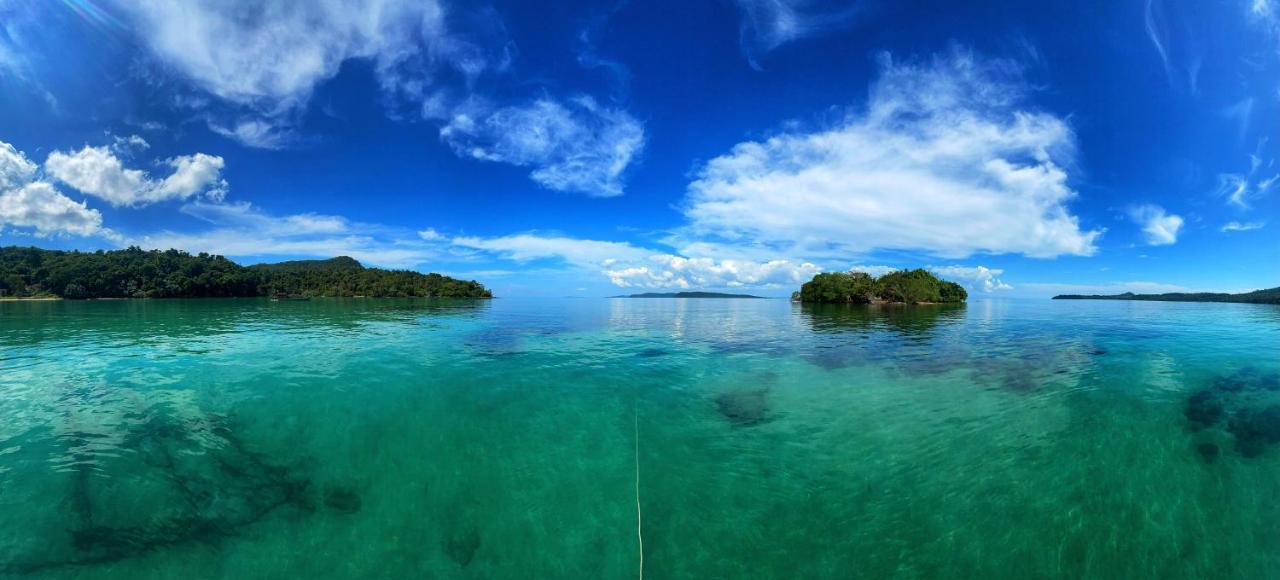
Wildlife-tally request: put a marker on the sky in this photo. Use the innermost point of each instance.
(593, 148)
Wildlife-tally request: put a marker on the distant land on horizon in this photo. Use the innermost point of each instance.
(1268, 296)
(687, 295)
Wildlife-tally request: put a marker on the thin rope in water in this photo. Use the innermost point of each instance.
(639, 520)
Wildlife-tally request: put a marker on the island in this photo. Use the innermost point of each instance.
(686, 295)
(137, 273)
(1268, 296)
(900, 287)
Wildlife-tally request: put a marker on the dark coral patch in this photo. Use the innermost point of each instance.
(746, 407)
(461, 546)
(342, 499)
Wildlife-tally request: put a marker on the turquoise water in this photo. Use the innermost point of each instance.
(502, 439)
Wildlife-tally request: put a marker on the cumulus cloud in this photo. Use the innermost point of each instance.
(627, 266)
(873, 271)
(36, 205)
(943, 160)
(1158, 227)
(39, 206)
(97, 171)
(576, 145)
(668, 271)
(243, 230)
(1235, 226)
(978, 277)
(15, 168)
(767, 24)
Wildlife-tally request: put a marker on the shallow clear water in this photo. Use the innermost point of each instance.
(399, 439)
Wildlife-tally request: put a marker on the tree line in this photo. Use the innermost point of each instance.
(902, 286)
(137, 273)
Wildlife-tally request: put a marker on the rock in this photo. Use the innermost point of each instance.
(652, 353)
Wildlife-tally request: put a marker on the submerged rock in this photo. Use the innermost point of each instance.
(342, 499)
(744, 408)
(461, 547)
(1254, 430)
(653, 353)
(1208, 452)
(1204, 409)
(213, 486)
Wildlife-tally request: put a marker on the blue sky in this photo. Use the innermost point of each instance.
(565, 148)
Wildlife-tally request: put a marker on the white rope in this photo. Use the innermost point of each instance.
(639, 533)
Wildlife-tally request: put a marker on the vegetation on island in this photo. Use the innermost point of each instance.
(687, 295)
(899, 287)
(1268, 296)
(137, 273)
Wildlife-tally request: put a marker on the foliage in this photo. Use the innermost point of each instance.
(135, 273)
(908, 286)
(1268, 296)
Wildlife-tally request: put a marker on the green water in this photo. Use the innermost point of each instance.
(416, 439)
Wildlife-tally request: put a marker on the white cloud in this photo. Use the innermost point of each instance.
(873, 271)
(430, 235)
(527, 247)
(577, 145)
(39, 206)
(272, 55)
(1242, 227)
(626, 265)
(264, 60)
(1159, 228)
(979, 277)
(98, 172)
(15, 168)
(242, 230)
(1137, 287)
(668, 271)
(1241, 189)
(942, 161)
(768, 24)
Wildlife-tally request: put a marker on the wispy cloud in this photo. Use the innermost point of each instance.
(263, 61)
(767, 24)
(576, 145)
(943, 160)
(1159, 228)
(1235, 226)
(628, 266)
(245, 231)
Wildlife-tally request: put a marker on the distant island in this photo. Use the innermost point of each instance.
(137, 273)
(1269, 296)
(900, 287)
(686, 295)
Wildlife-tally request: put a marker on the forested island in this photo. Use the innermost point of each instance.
(686, 295)
(900, 287)
(137, 273)
(1269, 296)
